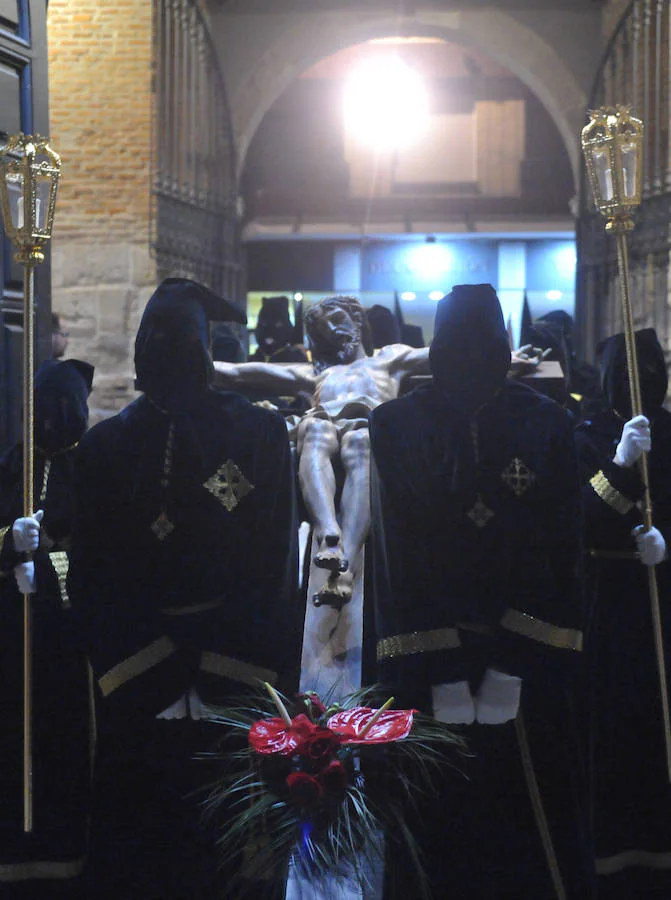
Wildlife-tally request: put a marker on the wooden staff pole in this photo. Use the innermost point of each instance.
(28, 481)
(637, 410)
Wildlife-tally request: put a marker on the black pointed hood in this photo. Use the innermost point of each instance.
(172, 347)
(61, 404)
(652, 372)
(225, 344)
(549, 337)
(273, 327)
(383, 326)
(469, 354)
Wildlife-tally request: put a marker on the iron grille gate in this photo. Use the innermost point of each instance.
(194, 222)
(636, 71)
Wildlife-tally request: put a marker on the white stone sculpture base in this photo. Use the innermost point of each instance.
(332, 640)
(331, 666)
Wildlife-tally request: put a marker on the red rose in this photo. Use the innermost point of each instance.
(334, 777)
(314, 706)
(302, 726)
(304, 789)
(319, 746)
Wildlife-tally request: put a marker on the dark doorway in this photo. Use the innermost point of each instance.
(23, 107)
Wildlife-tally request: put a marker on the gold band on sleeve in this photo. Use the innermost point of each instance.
(613, 554)
(235, 669)
(192, 610)
(135, 665)
(42, 868)
(543, 632)
(61, 563)
(418, 642)
(644, 859)
(610, 495)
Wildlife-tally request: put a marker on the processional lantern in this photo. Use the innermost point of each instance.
(612, 144)
(30, 172)
(28, 188)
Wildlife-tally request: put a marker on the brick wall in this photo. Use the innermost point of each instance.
(100, 111)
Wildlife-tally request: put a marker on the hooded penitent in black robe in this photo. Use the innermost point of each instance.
(183, 576)
(476, 527)
(631, 791)
(46, 863)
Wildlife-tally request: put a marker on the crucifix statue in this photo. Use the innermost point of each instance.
(345, 382)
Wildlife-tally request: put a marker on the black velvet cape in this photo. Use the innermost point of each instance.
(52, 857)
(630, 786)
(461, 587)
(211, 604)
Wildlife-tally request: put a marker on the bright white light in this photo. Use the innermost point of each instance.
(408, 295)
(430, 261)
(436, 295)
(553, 295)
(386, 105)
(298, 296)
(565, 261)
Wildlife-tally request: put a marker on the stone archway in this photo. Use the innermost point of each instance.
(305, 39)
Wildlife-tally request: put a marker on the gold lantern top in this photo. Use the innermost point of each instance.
(30, 172)
(612, 143)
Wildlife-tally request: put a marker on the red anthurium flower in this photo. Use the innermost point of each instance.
(393, 725)
(304, 789)
(269, 736)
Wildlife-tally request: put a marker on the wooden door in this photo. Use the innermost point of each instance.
(23, 107)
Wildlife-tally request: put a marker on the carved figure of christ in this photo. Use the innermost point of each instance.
(346, 383)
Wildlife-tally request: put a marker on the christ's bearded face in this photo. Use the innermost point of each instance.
(339, 330)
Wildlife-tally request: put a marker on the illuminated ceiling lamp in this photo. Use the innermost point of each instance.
(386, 104)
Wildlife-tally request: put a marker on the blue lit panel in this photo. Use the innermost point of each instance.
(551, 266)
(419, 266)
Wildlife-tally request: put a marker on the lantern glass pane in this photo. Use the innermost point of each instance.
(604, 174)
(42, 192)
(629, 163)
(14, 182)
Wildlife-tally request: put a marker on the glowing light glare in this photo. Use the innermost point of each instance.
(298, 296)
(430, 261)
(408, 295)
(565, 261)
(553, 295)
(386, 104)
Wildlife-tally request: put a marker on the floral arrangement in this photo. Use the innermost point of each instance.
(318, 785)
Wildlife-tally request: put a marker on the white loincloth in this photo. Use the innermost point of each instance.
(347, 414)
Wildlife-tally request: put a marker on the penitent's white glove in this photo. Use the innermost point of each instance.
(650, 544)
(453, 703)
(26, 532)
(635, 440)
(498, 699)
(25, 577)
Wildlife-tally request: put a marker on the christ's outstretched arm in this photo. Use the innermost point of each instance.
(286, 379)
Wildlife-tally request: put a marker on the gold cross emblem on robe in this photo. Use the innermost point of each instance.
(162, 526)
(480, 513)
(518, 477)
(228, 485)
